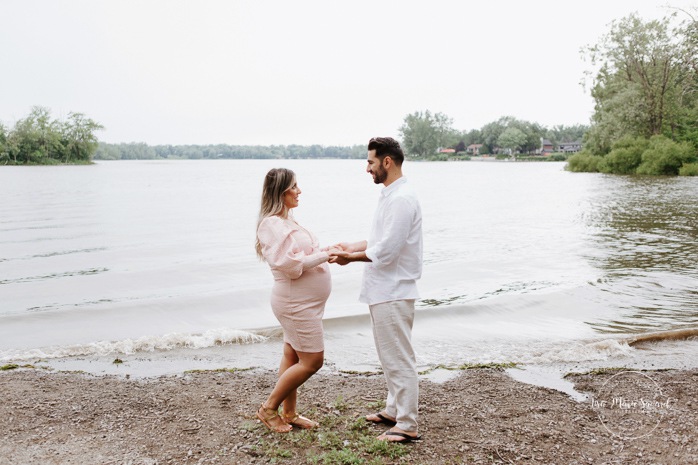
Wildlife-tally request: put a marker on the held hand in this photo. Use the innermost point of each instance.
(340, 258)
(347, 246)
(333, 250)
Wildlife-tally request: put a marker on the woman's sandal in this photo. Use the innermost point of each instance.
(300, 421)
(267, 415)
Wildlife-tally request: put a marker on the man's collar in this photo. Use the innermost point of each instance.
(393, 186)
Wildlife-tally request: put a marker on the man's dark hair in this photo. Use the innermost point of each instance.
(387, 147)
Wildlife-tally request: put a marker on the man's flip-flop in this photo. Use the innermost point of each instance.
(405, 437)
(383, 419)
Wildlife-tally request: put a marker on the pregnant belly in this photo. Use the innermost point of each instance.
(311, 287)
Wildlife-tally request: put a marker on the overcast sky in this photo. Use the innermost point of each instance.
(299, 72)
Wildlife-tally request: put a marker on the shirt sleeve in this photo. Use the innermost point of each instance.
(282, 252)
(398, 221)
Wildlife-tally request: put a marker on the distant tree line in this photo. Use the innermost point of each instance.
(42, 140)
(423, 133)
(141, 151)
(645, 89)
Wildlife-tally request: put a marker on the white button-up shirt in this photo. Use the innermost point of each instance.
(394, 247)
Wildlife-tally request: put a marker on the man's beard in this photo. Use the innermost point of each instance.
(380, 176)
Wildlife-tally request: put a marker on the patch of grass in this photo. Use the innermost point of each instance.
(303, 439)
(340, 404)
(361, 373)
(341, 439)
(117, 361)
(276, 453)
(360, 425)
(391, 450)
(249, 426)
(272, 450)
(376, 405)
(331, 422)
(496, 366)
(330, 440)
(337, 457)
(14, 366)
(471, 366)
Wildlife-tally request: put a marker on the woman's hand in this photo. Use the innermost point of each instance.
(332, 250)
(351, 247)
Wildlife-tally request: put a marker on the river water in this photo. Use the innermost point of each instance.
(153, 262)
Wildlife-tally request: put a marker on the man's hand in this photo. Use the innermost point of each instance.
(340, 258)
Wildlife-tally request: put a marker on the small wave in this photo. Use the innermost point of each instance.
(584, 352)
(143, 344)
(270, 332)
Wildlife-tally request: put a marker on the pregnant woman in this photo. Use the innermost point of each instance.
(302, 284)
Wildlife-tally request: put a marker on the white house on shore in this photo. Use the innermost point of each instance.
(547, 147)
(570, 147)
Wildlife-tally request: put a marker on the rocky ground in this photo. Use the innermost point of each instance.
(481, 416)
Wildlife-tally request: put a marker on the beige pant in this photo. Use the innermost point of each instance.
(392, 332)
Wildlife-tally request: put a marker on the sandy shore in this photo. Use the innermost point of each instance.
(480, 416)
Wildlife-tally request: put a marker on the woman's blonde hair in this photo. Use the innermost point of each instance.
(276, 183)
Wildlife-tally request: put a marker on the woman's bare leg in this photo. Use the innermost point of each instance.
(292, 374)
(290, 358)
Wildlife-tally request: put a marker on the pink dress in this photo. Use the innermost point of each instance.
(302, 281)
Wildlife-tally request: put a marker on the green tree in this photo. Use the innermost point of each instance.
(4, 152)
(643, 83)
(625, 156)
(491, 132)
(686, 129)
(562, 133)
(142, 151)
(79, 138)
(513, 139)
(107, 152)
(36, 138)
(423, 133)
(39, 139)
(533, 133)
(583, 162)
(666, 157)
(472, 137)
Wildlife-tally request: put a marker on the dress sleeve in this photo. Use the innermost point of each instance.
(282, 252)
